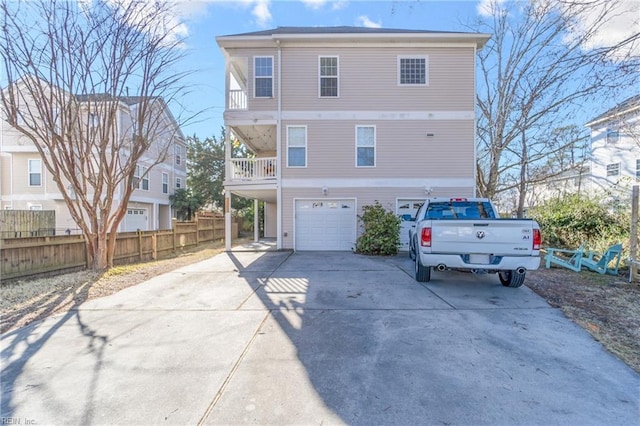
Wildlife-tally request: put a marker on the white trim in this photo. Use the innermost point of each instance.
(18, 148)
(256, 77)
(426, 71)
(378, 115)
(374, 145)
(306, 146)
(337, 77)
(380, 182)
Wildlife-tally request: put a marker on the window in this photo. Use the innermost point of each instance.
(263, 69)
(145, 179)
(613, 169)
(412, 71)
(613, 135)
(35, 172)
(297, 146)
(178, 154)
(638, 168)
(165, 183)
(178, 183)
(8, 207)
(37, 207)
(141, 176)
(93, 120)
(365, 146)
(328, 76)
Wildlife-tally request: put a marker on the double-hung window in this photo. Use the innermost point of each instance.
(165, 183)
(141, 178)
(613, 169)
(613, 134)
(365, 146)
(328, 73)
(413, 71)
(35, 172)
(178, 154)
(638, 169)
(263, 76)
(178, 183)
(296, 146)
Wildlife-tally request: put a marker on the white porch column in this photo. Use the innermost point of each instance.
(227, 220)
(256, 218)
(227, 193)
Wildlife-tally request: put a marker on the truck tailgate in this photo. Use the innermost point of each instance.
(498, 236)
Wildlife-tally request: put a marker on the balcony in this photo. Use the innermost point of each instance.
(253, 169)
(237, 100)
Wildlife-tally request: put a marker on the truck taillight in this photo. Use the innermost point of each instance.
(537, 239)
(425, 240)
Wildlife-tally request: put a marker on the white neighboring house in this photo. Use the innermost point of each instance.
(613, 161)
(615, 149)
(25, 184)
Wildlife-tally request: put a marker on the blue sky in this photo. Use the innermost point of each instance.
(204, 20)
(207, 20)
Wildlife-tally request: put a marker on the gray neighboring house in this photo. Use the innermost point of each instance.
(340, 117)
(25, 184)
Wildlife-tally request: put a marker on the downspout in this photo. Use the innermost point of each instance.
(279, 154)
(475, 122)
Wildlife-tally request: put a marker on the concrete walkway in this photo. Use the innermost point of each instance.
(313, 338)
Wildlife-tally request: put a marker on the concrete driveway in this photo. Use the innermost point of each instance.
(313, 338)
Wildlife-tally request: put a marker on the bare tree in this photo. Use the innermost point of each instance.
(535, 73)
(87, 83)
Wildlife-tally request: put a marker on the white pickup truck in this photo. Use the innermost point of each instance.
(467, 234)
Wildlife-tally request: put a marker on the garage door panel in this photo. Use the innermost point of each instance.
(325, 224)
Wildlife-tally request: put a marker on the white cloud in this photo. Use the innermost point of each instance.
(623, 22)
(487, 8)
(364, 21)
(261, 12)
(314, 4)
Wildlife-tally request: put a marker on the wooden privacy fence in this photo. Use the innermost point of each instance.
(27, 223)
(23, 257)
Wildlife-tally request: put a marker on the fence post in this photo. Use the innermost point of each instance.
(633, 238)
(197, 231)
(173, 228)
(140, 244)
(154, 242)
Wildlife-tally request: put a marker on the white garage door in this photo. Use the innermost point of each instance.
(407, 210)
(325, 224)
(136, 219)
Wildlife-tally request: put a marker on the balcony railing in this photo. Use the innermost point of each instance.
(237, 99)
(263, 168)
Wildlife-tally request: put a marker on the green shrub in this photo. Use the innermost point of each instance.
(575, 219)
(381, 231)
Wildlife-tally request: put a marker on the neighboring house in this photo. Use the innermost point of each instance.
(615, 149)
(613, 161)
(339, 117)
(27, 185)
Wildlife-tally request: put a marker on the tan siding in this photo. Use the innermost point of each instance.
(368, 80)
(364, 196)
(403, 150)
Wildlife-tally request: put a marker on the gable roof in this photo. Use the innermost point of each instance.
(337, 30)
(626, 106)
(346, 33)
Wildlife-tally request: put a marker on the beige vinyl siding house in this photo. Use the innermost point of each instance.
(149, 206)
(354, 116)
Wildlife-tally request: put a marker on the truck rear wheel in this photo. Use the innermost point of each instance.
(412, 250)
(511, 278)
(423, 273)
